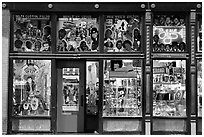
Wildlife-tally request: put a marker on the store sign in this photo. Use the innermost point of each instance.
(25, 17)
(162, 55)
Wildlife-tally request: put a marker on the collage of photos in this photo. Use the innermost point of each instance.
(122, 33)
(32, 33)
(70, 90)
(169, 34)
(77, 34)
(199, 37)
(31, 87)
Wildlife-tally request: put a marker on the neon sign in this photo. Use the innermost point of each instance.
(169, 34)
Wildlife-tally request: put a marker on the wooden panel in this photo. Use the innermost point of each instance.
(122, 125)
(169, 125)
(31, 125)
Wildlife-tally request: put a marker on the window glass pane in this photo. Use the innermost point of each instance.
(32, 33)
(122, 88)
(199, 86)
(70, 90)
(92, 87)
(31, 87)
(169, 33)
(169, 88)
(77, 33)
(122, 33)
(199, 38)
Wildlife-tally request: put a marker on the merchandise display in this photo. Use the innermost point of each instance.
(123, 88)
(122, 33)
(199, 86)
(70, 90)
(32, 33)
(169, 34)
(31, 87)
(77, 33)
(169, 88)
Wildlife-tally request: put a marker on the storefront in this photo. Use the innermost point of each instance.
(89, 67)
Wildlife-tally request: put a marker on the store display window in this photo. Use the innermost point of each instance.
(199, 36)
(199, 86)
(169, 33)
(32, 33)
(169, 88)
(77, 33)
(92, 87)
(31, 87)
(122, 33)
(122, 88)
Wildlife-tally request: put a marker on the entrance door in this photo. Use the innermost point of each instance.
(70, 96)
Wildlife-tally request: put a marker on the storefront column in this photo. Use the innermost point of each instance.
(193, 72)
(147, 74)
(5, 51)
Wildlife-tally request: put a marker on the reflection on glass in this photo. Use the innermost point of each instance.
(199, 44)
(199, 86)
(122, 33)
(32, 33)
(169, 34)
(31, 87)
(70, 89)
(77, 33)
(92, 87)
(122, 88)
(169, 92)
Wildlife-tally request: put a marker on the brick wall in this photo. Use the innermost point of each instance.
(5, 51)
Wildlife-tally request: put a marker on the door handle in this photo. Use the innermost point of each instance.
(82, 100)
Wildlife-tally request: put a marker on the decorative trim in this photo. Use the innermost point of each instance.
(192, 45)
(148, 45)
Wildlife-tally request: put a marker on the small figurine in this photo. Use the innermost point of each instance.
(182, 47)
(136, 39)
(176, 22)
(168, 21)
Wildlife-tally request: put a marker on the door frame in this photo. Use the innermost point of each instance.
(81, 64)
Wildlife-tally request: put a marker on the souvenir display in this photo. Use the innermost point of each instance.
(92, 87)
(32, 33)
(199, 86)
(169, 89)
(169, 34)
(122, 89)
(31, 92)
(199, 38)
(70, 90)
(122, 33)
(77, 33)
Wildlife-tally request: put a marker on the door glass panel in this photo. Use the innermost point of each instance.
(169, 88)
(122, 33)
(31, 87)
(169, 33)
(32, 33)
(77, 33)
(122, 88)
(92, 87)
(199, 86)
(70, 89)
